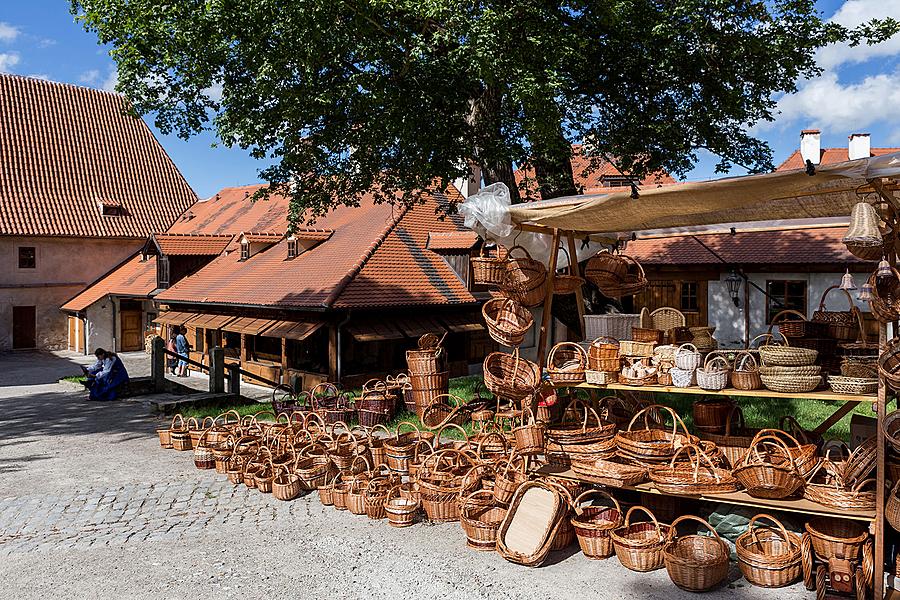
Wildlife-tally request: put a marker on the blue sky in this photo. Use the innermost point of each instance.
(858, 92)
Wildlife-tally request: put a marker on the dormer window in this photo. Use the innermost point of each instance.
(616, 181)
(292, 247)
(245, 249)
(111, 208)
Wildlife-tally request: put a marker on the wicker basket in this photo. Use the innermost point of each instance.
(643, 334)
(480, 520)
(840, 325)
(711, 414)
(510, 376)
(636, 349)
(833, 492)
(507, 321)
(566, 364)
(593, 525)
(601, 377)
(693, 478)
(745, 375)
(529, 437)
(489, 268)
(682, 378)
(531, 523)
(889, 363)
(764, 477)
(179, 434)
(400, 511)
(769, 557)
(736, 438)
(564, 280)
(695, 563)
(687, 357)
(796, 327)
(616, 275)
(784, 355)
(853, 386)
(863, 238)
(614, 472)
(526, 279)
(841, 538)
(639, 546)
(603, 353)
(713, 375)
(615, 326)
(652, 445)
(892, 508)
(787, 384)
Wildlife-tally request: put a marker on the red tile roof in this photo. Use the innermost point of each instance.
(262, 238)
(796, 247)
(312, 234)
(589, 180)
(183, 244)
(829, 156)
(65, 151)
(134, 277)
(375, 257)
(452, 240)
(231, 211)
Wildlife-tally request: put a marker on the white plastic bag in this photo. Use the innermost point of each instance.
(488, 211)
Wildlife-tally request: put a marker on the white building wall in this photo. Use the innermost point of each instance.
(729, 320)
(100, 325)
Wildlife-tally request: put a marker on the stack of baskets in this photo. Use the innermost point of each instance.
(687, 360)
(603, 361)
(581, 438)
(788, 369)
(376, 405)
(429, 375)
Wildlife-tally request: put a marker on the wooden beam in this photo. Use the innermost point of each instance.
(284, 361)
(332, 353)
(575, 269)
(879, 187)
(842, 411)
(547, 318)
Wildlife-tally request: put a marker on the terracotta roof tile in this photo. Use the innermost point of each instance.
(182, 244)
(65, 151)
(451, 240)
(829, 156)
(134, 277)
(798, 247)
(262, 238)
(375, 257)
(232, 211)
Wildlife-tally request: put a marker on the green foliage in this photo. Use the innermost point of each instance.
(399, 94)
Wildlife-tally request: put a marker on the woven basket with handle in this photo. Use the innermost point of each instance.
(489, 267)
(526, 278)
(639, 546)
(768, 556)
(695, 563)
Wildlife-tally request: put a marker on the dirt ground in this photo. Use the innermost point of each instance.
(90, 507)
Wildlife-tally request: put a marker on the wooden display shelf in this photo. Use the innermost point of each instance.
(764, 393)
(800, 505)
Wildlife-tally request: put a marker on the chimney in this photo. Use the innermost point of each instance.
(859, 146)
(810, 145)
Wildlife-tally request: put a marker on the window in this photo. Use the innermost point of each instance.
(785, 295)
(292, 247)
(113, 210)
(27, 257)
(162, 272)
(616, 181)
(245, 250)
(689, 296)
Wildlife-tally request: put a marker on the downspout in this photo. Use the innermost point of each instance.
(115, 337)
(340, 344)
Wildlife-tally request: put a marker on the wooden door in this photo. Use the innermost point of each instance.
(131, 330)
(73, 333)
(24, 327)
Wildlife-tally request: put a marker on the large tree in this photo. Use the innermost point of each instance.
(344, 96)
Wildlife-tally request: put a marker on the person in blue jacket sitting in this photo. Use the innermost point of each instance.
(105, 376)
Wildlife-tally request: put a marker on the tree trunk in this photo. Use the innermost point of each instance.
(485, 121)
(553, 168)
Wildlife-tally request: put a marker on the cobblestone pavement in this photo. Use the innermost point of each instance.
(90, 507)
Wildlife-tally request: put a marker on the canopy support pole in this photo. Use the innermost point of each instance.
(575, 269)
(547, 318)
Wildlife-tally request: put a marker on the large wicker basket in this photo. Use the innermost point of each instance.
(639, 546)
(489, 268)
(510, 376)
(695, 563)
(769, 556)
(526, 278)
(507, 321)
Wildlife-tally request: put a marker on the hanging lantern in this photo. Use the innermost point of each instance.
(865, 292)
(733, 282)
(884, 269)
(847, 282)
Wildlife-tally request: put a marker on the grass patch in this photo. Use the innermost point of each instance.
(80, 379)
(758, 412)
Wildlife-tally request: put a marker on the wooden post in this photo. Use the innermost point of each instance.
(234, 380)
(575, 269)
(332, 353)
(546, 318)
(284, 366)
(243, 349)
(216, 370)
(158, 364)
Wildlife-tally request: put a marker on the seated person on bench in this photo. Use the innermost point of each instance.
(105, 376)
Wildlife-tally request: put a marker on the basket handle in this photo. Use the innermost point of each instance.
(411, 424)
(484, 245)
(681, 519)
(796, 430)
(517, 247)
(178, 417)
(488, 436)
(741, 365)
(576, 503)
(780, 526)
(712, 358)
(768, 438)
(582, 357)
(647, 512)
(676, 420)
(689, 347)
(786, 312)
(437, 435)
(606, 340)
(835, 287)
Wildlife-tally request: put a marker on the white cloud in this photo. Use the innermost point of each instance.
(8, 60)
(109, 84)
(43, 76)
(851, 14)
(8, 33)
(89, 77)
(832, 106)
(214, 92)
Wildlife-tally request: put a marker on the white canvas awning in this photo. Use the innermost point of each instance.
(768, 200)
